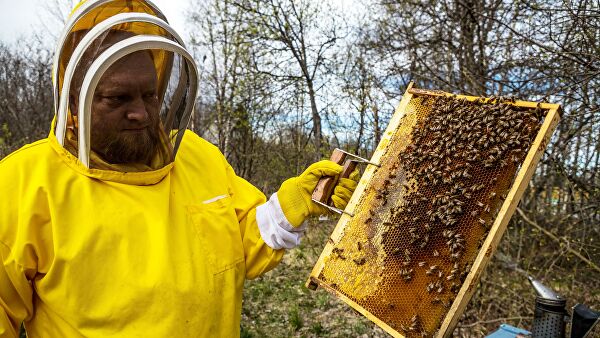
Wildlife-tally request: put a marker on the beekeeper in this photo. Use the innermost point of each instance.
(122, 222)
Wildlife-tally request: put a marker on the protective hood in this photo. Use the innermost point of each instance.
(124, 87)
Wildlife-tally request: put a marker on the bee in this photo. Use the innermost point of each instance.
(448, 233)
(424, 243)
(515, 159)
(456, 246)
(360, 261)
(454, 288)
(421, 264)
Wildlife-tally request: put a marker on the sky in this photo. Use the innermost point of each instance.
(21, 18)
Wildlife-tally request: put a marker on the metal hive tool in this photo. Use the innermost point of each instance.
(423, 225)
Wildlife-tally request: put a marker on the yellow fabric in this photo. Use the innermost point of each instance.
(97, 253)
(103, 12)
(344, 189)
(295, 194)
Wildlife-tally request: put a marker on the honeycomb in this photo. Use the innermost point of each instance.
(427, 210)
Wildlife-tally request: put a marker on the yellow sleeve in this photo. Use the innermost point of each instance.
(260, 258)
(15, 294)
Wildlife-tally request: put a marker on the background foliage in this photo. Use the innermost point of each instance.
(285, 81)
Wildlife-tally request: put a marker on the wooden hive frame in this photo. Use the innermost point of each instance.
(490, 244)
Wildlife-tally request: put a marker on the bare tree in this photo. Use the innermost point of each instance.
(53, 18)
(236, 108)
(364, 96)
(25, 95)
(293, 40)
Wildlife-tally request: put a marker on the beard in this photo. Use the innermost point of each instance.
(136, 147)
(120, 147)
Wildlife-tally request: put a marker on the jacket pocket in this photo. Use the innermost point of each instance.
(218, 231)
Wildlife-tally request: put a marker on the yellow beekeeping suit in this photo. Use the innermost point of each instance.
(96, 253)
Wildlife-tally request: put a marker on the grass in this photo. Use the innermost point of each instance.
(295, 319)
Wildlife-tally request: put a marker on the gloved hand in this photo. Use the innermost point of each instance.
(295, 193)
(344, 189)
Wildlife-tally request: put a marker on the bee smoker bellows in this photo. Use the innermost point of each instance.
(550, 312)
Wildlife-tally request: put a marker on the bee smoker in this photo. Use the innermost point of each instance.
(550, 315)
(550, 312)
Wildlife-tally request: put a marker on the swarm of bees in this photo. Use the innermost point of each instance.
(458, 155)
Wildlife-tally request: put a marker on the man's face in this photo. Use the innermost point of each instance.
(125, 121)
